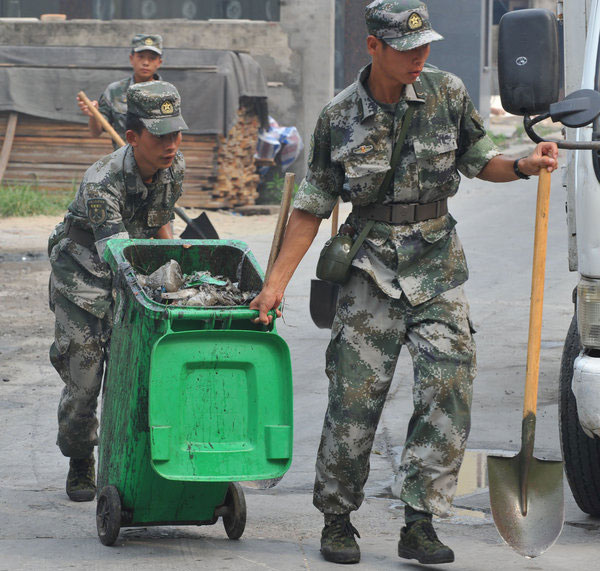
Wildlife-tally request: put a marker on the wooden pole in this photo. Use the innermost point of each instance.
(9, 137)
(286, 199)
(537, 294)
(335, 219)
(105, 124)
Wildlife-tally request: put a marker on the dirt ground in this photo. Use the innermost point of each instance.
(25, 321)
(22, 234)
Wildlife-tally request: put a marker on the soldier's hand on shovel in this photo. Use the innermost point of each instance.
(84, 107)
(544, 155)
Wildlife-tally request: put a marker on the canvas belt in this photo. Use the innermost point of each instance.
(402, 213)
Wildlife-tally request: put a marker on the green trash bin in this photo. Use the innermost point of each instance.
(195, 399)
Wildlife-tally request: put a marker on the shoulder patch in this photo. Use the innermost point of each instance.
(96, 210)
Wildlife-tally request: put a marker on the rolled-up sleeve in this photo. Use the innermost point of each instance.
(319, 191)
(103, 209)
(104, 106)
(475, 148)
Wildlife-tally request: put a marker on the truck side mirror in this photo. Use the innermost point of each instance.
(528, 61)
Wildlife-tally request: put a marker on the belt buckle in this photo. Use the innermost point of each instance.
(403, 213)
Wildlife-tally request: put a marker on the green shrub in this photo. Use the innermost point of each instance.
(271, 188)
(23, 200)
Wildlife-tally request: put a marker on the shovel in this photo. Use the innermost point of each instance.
(526, 494)
(198, 228)
(324, 294)
(286, 199)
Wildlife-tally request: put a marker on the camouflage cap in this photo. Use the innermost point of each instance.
(143, 42)
(158, 105)
(403, 24)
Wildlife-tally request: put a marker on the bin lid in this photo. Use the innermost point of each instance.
(220, 405)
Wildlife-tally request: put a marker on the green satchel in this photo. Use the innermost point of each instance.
(338, 252)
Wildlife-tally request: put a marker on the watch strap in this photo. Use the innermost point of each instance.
(518, 171)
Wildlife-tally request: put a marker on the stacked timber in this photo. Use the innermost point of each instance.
(237, 179)
(53, 156)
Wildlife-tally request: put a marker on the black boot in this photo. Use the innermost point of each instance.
(337, 540)
(81, 480)
(419, 541)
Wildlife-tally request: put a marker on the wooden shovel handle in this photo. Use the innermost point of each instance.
(335, 219)
(537, 294)
(286, 199)
(98, 116)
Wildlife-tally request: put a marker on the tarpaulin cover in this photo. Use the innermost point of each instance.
(43, 81)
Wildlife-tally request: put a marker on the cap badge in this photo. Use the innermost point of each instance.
(149, 41)
(363, 149)
(166, 108)
(415, 21)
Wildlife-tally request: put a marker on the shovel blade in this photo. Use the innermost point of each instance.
(532, 534)
(200, 228)
(323, 302)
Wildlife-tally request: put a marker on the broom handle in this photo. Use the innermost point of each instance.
(537, 293)
(98, 116)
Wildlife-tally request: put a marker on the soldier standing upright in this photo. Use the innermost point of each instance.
(129, 193)
(145, 58)
(405, 285)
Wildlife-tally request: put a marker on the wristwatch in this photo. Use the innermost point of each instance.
(518, 171)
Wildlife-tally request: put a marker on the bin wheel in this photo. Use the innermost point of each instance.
(108, 515)
(235, 519)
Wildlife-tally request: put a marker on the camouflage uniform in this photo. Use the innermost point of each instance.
(112, 202)
(113, 101)
(405, 287)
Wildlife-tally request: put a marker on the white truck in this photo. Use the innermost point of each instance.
(530, 81)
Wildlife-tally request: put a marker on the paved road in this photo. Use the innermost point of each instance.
(41, 529)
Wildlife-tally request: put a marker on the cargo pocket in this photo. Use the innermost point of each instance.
(379, 234)
(437, 229)
(436, 161)
(364, 176)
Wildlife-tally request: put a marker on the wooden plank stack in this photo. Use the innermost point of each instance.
(54, 155)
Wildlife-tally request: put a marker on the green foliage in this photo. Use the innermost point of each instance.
(499, 140)
(23, 200)
(271, 189)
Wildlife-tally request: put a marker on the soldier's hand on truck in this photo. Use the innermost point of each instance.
(544, 155)
(84, 107)
(265, 301)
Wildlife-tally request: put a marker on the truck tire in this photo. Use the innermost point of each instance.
(581, 453)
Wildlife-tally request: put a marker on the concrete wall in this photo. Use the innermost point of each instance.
(310, 25)
(547, 4)
(465, 50)
(296, 54)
